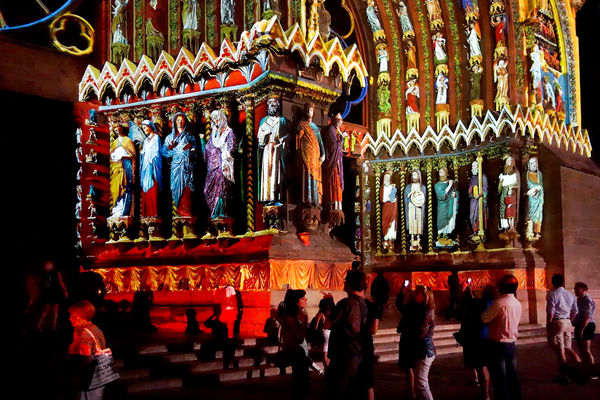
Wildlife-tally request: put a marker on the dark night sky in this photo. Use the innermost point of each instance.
(588, 19)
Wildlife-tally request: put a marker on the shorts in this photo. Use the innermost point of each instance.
(560, 333)
(365, 372)
(588, 332)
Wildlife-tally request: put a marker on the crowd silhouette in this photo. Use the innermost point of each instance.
(336, 342)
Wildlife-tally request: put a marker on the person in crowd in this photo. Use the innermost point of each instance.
(87, 340)
(140, 310)
(466, 299)
(454, 289)
(271, 328)
(416, 349)
(561, 308)
(219, 339)
(294, 349)
(53, 292)
(191, 327)
(585, 326)
(229, 309)
(474, 338)
(380, 291)
(318, 334)
(503, 317)
(365, 368)
(345, 345)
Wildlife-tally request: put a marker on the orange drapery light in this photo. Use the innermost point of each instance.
(305, 274)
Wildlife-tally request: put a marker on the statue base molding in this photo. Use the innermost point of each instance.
(273, 216)
(118, 228)
(183, 228)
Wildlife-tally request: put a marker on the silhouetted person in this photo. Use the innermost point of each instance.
(366, 383)
(219, 339)
(230, 310)
(192, 327)
(345, 345)
(475, 334)
(380, 292)
(416, 348)
(454, 288)
(271, 328)
(52, 293)
(294, 349)
(140, 311)
(240, 313)
(123, 317)
(318, 334)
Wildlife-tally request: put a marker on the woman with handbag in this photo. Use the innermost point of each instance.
(416, 349)
(473, 338)
(88, 340)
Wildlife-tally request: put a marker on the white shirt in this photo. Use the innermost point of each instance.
(560, 303)
(503, 317)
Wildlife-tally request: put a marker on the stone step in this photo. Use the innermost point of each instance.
(384, 347)
(388, 356)
(154, 384)
(159, 366)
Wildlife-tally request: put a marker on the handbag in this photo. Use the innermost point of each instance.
(104, 366)
(459, 336)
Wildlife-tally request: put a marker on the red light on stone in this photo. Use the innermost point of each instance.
(304, 238)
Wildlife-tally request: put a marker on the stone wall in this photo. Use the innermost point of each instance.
(581, 230)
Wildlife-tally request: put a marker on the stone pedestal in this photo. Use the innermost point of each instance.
(221, 227)
(183, 228)
(509, 237)
(118, 228)
(273, 217)
(307, 218)
(150, 229)
(229, 32)
(476, 108)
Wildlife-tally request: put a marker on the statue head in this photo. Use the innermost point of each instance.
(180, 122)
(475, 168)
(148, 127)
(218, 121)
(443, 172)
(532, 164)
(509, 165)
(337, 120)
(308, 111)
(121, 129)
(273, 106)
(415, 176)
(387, 178)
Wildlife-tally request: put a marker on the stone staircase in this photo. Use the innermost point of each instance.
(386, 340)
(159, 366)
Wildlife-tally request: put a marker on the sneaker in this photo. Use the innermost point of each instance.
(594, 377)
